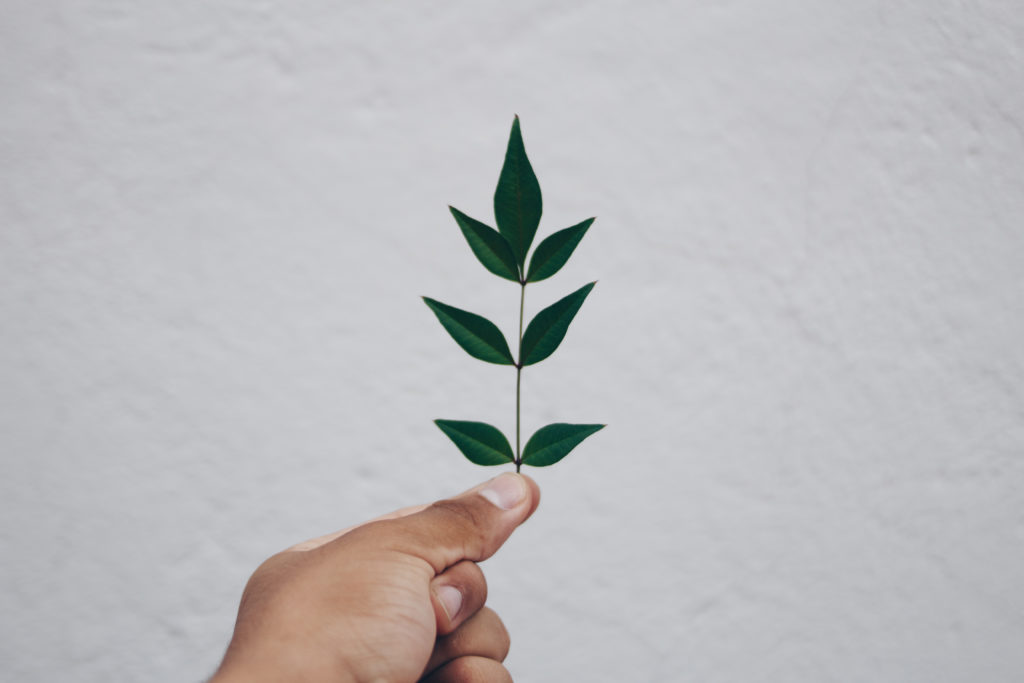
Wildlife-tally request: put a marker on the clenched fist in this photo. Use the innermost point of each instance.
(397, 599)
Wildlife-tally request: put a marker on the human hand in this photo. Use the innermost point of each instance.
(397, 599)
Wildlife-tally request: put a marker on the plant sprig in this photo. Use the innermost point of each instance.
(517, 211)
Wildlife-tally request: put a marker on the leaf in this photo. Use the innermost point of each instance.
(490, 247)
(517, 200)
(547, 329)
(550, 444)
(551, 254)
(477, 335)
(479, 442)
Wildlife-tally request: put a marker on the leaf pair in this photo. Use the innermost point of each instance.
(493, 250)
(484, 444)
(517, 210)
(482, 339)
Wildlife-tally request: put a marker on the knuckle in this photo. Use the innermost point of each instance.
(481, 583)
(467, 521)
(268, 577)
(501, 636)
(465, 669)
(472, 578)
(273, 567)
(506, 643)
(464, 514)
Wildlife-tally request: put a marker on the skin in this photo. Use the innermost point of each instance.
(396, 599)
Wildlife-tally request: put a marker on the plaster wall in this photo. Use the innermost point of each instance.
(216, 219)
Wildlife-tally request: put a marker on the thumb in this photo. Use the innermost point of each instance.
(471, 526)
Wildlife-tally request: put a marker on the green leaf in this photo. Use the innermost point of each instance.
(555, 250)
(490, 247)
(552, 443)
(479, 442)
(477, 335)
(517, 201)
(547, 329)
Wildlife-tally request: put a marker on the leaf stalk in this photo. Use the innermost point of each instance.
(519, 372)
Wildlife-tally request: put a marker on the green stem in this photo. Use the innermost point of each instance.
(519, 372)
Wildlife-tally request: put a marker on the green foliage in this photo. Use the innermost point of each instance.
(551, 254)
(517, 212)
(490, 247)
(552, 443)
(548, 328)
(477, 335)
(517, 202)
(479, 442)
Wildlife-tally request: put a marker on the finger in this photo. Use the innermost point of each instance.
(471, 526)
(458, 593)
(470, 669)
(397, 514)
(327, 538)
(482, 635)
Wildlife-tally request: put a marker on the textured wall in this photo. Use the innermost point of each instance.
(808, 339)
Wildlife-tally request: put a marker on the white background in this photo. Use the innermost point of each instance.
(217, 218)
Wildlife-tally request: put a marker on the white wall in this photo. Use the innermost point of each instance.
(216, 219)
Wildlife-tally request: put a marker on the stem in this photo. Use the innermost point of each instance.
(519, 376)
(519, 371)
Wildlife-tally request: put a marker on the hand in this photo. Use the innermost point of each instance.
(396, 599)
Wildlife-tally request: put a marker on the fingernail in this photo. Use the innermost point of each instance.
(505, 491)
(450, 598)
